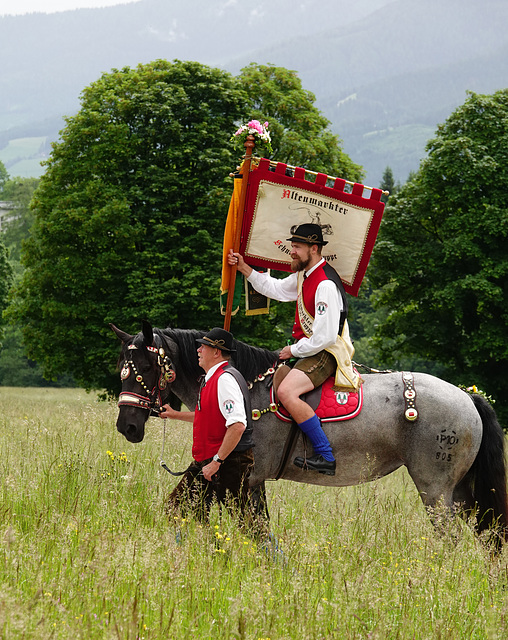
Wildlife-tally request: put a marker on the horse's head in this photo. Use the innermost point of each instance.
(146, 372)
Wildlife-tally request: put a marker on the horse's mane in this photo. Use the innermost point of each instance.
(249, 360)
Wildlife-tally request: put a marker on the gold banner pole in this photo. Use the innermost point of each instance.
(249, 145)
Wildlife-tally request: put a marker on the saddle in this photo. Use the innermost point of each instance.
(329, 405)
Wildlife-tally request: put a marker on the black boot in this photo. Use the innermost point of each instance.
(316, 463)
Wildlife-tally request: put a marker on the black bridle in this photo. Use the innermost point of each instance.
(152, 401)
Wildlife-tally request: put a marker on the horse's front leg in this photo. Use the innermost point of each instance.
(258, 502)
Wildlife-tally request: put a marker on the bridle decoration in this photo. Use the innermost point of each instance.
(152, 401)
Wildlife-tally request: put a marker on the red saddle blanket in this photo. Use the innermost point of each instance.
(332, 405)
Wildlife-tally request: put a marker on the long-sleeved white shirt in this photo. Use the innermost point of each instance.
(328, 304)
(230, 397)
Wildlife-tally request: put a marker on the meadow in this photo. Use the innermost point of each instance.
(88, 551)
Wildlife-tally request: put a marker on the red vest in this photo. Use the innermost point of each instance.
(209, 426)
(310, 284)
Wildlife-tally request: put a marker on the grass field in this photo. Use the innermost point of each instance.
(86, 550)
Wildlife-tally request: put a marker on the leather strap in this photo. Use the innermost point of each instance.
(410, 410)
(288, 447)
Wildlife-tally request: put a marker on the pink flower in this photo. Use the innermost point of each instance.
(256, 125)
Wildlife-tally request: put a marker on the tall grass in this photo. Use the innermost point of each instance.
(87, 551)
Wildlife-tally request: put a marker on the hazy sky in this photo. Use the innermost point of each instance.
(12, 7)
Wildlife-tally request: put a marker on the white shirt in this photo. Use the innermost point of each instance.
(328, 304)
(230, 396)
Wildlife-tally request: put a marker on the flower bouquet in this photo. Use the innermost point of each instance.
(260, 133)
(474, 389)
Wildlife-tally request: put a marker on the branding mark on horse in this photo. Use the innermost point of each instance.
(446, 440)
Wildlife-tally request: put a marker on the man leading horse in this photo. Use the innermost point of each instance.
(222, 433)
(322, 345)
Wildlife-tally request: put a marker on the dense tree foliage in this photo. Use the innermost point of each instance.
(128, 200)
(130, 213)
(19, 192)
(15, 368)
(5, 280)
(388, 184)
(5, 267)
(441, 262)
(4, 176)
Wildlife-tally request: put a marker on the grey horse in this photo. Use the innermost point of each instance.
(453, 451)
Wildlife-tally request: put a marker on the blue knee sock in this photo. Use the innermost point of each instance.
(313, 430)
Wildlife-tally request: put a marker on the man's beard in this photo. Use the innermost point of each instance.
(299, 265)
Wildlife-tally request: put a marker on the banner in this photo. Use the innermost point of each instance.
(277, 202)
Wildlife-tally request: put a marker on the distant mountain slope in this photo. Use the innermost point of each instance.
(384, 72)
(48, 59)
(388, 80)
(389, 122)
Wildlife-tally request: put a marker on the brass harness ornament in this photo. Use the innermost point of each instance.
(273, 406)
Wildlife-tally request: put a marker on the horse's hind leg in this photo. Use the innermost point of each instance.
(464, 503)
(437, 495)
(441, 510)
(463, 498)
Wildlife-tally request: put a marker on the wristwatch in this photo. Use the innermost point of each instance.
(217, 459)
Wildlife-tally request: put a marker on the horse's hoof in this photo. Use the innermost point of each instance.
(316, 463)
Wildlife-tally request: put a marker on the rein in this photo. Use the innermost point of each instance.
(162, 463)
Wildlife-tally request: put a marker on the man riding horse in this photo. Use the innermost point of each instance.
(322, 345)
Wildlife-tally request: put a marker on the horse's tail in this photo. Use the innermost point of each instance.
(487, 475)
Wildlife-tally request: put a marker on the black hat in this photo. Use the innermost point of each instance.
(219, 339)
(308, 234)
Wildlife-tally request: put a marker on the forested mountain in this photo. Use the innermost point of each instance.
(385, 73)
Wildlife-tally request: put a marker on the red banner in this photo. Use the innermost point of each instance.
(277, 202)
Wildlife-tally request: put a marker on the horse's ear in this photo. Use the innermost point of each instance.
(147, 333)
(124, 337)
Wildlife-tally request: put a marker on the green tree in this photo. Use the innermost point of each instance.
(129, 217)
(300, 133)
(5, 268)
(129, 200)
(4, 176)
(15, 368)
(18, 191)
(388, 184)
(5, 281)
(440, 261)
